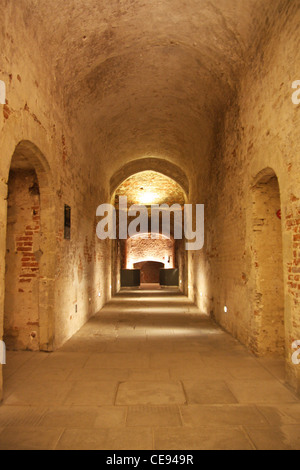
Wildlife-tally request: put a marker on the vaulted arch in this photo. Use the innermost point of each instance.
(30, 251)
(158, 165)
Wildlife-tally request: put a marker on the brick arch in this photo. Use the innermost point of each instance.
(144, 249)
(158, 165)
(150, 232)
(268, 331)
(264, 176)
(28, 155)
(163, 167)
(27, 152)
(150, 271)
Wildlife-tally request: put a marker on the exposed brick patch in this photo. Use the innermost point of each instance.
(293, 226)
(21, 308)
(161, 250)
(6, 111)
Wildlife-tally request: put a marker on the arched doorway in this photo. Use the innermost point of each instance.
(148, 188)
(146, 248)
(23, 255)
(268, 331)
(150, 271)
(30, 253)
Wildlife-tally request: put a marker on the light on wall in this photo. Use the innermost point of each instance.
(2, 92)
(225, 309)
(148, 198)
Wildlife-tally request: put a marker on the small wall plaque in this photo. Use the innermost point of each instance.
(67, 222)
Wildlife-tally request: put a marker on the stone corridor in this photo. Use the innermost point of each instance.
(148, 372)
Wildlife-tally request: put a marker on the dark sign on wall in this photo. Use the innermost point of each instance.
(67, 222)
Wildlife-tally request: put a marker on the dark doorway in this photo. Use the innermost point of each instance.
(149, 271)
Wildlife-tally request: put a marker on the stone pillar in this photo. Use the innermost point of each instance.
(3, 219)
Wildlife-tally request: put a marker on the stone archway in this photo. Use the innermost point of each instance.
(268, 331)
(149, 271)
(29, 165)
(158, 165)
(149, 181)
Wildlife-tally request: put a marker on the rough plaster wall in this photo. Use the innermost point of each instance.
(160, 189)
(260, 131)
(83, 272)
(268, 331)
(21, 312)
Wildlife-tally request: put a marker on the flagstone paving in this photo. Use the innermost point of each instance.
(149, 372)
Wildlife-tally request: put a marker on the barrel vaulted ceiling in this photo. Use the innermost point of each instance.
(146, 77)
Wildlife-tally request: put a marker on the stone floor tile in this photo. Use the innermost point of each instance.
(201, 438)
(66, 360)
(29, 438)
(150, 393)
(99, 375)
(169, 360)
(208, 392)
(39, 394)
(279, 415)
(21, 415)
(69, 417)
(92, 394)
(118, 361)
(140, 375)
(202, 373)
(153, 416)
(228, 415)
(261, 391)
(110, 416)
(107, 439)
(285, 437)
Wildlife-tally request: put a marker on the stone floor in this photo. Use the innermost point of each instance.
(148, 372)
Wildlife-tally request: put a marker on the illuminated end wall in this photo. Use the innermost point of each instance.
(161, 250)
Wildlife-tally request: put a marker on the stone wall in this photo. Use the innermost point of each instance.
(260, 133)
(160, 250)
(74, 275)
(21, 310)
(150, 271)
